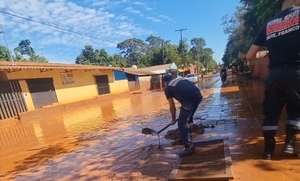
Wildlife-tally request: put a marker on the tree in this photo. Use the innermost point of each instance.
(257, 13)
(197, 49)
(207, 60)
(4, 53)
(38, 58)
(102, 58)
(183, 49)
(87, 56)
(230, 24)
(198, 43)
(154, 41)
(237, 40)
(133, 49)
(245, 24)
(158, 51)
(201, 55)
(118, 60)
(24, 48)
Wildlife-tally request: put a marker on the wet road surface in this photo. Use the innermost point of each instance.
(103, 141)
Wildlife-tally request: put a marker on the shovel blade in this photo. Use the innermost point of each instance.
(148, 131)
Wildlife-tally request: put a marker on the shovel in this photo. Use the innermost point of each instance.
(151, 131)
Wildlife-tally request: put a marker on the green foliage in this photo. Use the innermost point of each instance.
(157, 57)
(154, 51)
(134, 49)
(154, 41)
(172, 55)
(24, 48)
(201, 55)
(246, 22)
(38, 58)
(157, 51)
(117, 60)
(4, 53)
(183, 52)
(198, 43)
(145, 61)
(102, 57)
(87, 56)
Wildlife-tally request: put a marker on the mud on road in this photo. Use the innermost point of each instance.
(104, 141)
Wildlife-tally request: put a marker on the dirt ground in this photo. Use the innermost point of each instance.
(103, 140)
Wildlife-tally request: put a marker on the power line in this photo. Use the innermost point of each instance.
(52, 26)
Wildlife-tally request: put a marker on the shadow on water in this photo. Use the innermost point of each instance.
(41, 156)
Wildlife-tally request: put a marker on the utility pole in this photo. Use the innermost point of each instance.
(163, 53)
(11, 59)
(180, 46)
(180, 30)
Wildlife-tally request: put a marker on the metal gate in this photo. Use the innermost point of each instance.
(42, 92)
(133, 83)
(11, 99)
(102, 84)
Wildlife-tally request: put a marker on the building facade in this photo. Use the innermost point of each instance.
(28, 86)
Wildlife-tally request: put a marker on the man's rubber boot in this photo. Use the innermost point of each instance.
(269, 145)
(289, 146)
(187, 151)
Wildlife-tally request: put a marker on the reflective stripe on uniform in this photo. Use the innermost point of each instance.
(294, 123)
(269, 128)
(174, 82)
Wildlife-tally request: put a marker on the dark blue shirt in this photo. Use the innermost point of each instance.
(182, 90)
(281, 36)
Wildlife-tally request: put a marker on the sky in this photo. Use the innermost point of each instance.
(59, 29)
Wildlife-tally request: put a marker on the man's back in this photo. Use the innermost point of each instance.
(181, 90)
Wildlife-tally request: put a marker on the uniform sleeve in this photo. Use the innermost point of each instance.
(167, 93)
(260, 39)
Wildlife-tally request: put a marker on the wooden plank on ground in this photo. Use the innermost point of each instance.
(212, 161)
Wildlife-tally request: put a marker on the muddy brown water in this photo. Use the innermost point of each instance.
(103, 141)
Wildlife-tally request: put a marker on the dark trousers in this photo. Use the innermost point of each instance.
(185, 118)
(282, 88)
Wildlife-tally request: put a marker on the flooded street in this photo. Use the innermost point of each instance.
(103, 141)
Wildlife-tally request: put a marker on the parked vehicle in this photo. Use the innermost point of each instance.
(192, 78)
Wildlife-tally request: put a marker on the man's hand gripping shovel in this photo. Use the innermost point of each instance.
(151, 131)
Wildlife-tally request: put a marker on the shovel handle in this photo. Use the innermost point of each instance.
(164, 128)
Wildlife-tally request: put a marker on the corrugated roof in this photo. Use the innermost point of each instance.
(138, 72)
(153, 70)
(5, 65)
(157, 67)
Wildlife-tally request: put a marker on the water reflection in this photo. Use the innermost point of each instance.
(80, 121)
(16, 134)
(17, 137)
(103, 141)
(122, 117)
